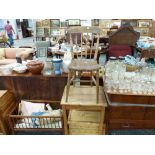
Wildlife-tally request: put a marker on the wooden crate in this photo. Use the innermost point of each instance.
(7, 103)
(84, 123)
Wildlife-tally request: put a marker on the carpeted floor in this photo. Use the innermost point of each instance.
(39, 133)
(132, 132)
(115, 132)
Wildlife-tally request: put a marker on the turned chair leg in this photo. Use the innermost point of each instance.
(91, 75)
(97, 86)
(68, 85)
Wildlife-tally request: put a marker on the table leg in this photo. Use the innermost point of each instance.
(65, 120)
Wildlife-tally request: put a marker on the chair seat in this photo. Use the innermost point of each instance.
(84, 65)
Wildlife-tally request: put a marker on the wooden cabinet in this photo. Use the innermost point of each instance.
(35, 87)
(7, 103)
(130, 112)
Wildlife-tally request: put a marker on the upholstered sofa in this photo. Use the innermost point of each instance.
(8, 55)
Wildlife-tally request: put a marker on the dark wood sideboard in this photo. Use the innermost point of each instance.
(35, 87)
(130, 111)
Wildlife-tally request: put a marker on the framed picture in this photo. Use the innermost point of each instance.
(144, 32)
(55, 22)
(64, 24)
(144, 24)
(95, 22)
(133, 23)
(46, 32)
(40, 32)
(74, 22)
(46, 23)
(55, 32)
(38, 24)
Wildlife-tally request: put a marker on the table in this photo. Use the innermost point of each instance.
(35, 87)
(148, 53)
(83, 98)
(130, 111)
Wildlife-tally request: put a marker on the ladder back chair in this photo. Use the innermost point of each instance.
(84, 57)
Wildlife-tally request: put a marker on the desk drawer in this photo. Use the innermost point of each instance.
(125, 126)
(130, 99)
(126, 113)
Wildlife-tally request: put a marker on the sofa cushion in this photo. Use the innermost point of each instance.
(2, 53)
(7, 61)
(119, 50)
(11, 53)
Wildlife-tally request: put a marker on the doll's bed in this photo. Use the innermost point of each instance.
(36, 123)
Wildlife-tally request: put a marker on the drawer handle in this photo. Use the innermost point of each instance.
(126, 126)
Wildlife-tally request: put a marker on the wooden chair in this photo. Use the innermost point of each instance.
(85, 60)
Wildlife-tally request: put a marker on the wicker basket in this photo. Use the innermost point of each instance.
(84, 123)
(130, 68)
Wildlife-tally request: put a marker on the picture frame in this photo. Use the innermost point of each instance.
(55, 32)
(133, 23)
(47, 31)
(46, 23)
(63, 24)
(144, 31)
(144, 23)
(74, 22)
(40, 32)
(39, 24)
(95, 22)
(55, 22)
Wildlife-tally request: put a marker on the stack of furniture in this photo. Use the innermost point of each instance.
(82, 115)
(7, 103)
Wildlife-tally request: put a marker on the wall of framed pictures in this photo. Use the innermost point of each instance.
(56, 27)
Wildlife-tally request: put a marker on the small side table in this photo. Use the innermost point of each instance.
(84, 99)
(148, 53)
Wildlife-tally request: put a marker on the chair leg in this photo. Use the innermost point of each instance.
(74, 75)
(91, 75)
(68, 85)
(97, 86)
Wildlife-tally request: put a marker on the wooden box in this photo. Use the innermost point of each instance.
(7, 103)
(84, 122)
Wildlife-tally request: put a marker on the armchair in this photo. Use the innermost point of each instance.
(122, 42)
